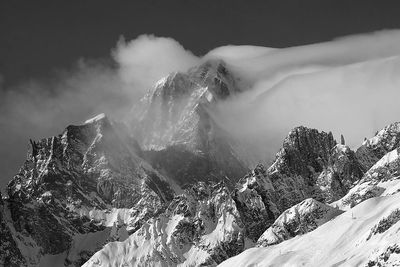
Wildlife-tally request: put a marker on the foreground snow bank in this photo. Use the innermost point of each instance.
(348, 240)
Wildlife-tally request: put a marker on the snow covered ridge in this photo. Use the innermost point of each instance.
(254, 205)
(217, 223)
(365, 235)
(297, 220)
(376, 147)
(344, 241)
(381, 179)
(76, 192)
(200, 227)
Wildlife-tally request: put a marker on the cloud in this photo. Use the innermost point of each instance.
(348, 86)
(265, 63)
(41, 108)
(146, 59)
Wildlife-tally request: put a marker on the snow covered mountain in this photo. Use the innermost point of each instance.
(297, 220)
(365, 235)
(172, 188)
(173, 125)
(222, 223)
(78, 191)
(94, 183)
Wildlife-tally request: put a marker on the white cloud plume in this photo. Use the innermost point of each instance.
(146, 59)
(348, 86)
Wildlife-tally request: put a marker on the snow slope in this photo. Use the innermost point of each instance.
(299, 219)
(369, 232)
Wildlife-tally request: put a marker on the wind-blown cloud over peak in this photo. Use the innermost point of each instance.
(257, 63)
(147, 58)
(348, 86)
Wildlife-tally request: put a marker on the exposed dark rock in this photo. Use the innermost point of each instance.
(91, 166)
(376, 147)
(10, 254)
(342, 171)
(297, 220)
(383, 258)
(385, 223)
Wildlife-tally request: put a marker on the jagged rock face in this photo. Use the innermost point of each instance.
(91, 166)
(256, 198)
(173, 121)
(10, 254)
(367, 235)
(86, 158)
(376, 147)
(199, 228)
(297, 220)
(316, 165)
(381, 179)
(173, 113)
(305, 152)
(380, 154)
(304, 155)
(342, 171)
(310, 164)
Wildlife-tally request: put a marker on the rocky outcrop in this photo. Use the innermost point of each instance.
(10, 254)
(90, 167)
(297, 220)
(340, 174)
(305, 152)
(380, 154)
(380, 179)
(389, 257)
(376, 147)
(256, 199)
(311, 164)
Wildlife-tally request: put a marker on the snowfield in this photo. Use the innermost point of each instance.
(347, 240)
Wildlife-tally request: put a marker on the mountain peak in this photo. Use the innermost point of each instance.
(305, 150)
(376, 147)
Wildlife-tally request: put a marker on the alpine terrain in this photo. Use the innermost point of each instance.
(170, 186)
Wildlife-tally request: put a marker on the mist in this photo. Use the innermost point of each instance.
(35, 109)
(349, 86)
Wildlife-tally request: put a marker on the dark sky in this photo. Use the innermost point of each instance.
(37, 37)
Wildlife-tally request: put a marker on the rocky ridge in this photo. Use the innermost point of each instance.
(68, 180)
(372, 217)
(298, 220)
(248, 210)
